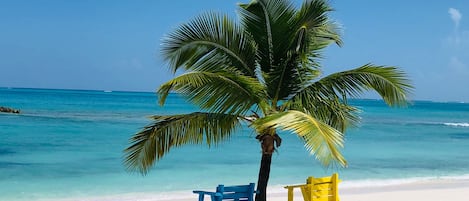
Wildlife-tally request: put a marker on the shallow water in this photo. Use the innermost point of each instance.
(68, 143)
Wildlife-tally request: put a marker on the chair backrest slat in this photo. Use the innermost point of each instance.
(244, 188)
(318, 189)
(322, 189)
(237, 193)
(323, 186)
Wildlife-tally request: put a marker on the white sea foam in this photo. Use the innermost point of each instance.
(457, 124)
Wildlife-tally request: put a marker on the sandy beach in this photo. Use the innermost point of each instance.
(431, 190)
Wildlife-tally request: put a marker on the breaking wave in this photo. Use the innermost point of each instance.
(457, 124)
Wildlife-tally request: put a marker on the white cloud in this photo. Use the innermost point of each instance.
(460, 37)
(455, 16)
(455, 73)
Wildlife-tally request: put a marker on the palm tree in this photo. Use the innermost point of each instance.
(263, 70)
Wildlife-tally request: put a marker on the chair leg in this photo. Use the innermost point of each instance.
(307, 194)
(290, 194)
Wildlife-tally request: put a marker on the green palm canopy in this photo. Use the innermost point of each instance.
(263, 69)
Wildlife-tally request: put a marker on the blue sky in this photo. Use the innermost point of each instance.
(114, 45)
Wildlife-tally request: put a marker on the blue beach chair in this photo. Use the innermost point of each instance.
(236, 193)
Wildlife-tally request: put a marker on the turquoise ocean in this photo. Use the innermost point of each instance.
(68, 145)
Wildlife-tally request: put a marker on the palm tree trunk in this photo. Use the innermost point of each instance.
(264, 173)
(268, 144)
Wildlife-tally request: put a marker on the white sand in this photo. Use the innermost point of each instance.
(436, 190)
(429, 190)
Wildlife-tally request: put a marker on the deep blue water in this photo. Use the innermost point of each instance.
(69, 143)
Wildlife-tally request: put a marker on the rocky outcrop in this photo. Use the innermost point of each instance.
(9, 110)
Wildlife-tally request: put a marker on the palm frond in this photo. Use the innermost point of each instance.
(220, 92)
(326, 106)
(320, 139)
(389, 82)
(166, 132)
(210, 41)
(267, 21)
(313, 18)
(314, 31)
(292, 61)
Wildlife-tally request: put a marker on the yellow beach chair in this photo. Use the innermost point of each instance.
(318, 189)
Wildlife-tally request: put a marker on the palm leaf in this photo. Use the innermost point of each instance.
(166, 132)
(210, 41)
(290, 62)
(221, 92)
(325, 106)
(315, 31)
(389, 82)
(267, 21)
(312, 17)
(320, 139)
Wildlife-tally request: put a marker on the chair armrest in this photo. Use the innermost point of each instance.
(206, 193)
(294, 186)
(213, 195)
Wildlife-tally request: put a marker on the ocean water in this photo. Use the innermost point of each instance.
(68, 145)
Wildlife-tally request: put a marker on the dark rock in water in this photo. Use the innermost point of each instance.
(9, 110)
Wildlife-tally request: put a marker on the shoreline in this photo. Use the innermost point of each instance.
(435, 189)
